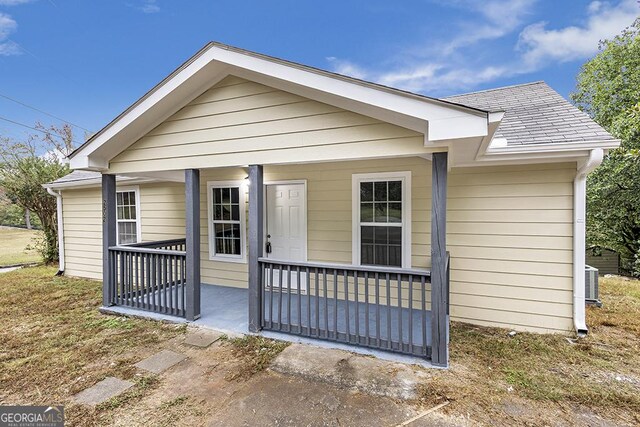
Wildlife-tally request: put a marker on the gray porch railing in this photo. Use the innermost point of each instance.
(149, 276)
(380, 308)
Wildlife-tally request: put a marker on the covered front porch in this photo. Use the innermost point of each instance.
(395, 309)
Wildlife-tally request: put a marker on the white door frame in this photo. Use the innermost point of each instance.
(304, 209)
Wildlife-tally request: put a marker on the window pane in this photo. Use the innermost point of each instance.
(380, 212)
(132, 198)
(366, 212)
(395, 256)
(382, 254)
(235, 212)
(235, 246)
(226, 212)
(395, 191)
(119, 199)
(120, 213)
(235, 195)
(395, 235)
(380, 235)
(226, 195)
(366, 255)
(366, 191)
(395, 212)
(217, 212)
(219, 230)
(127, 233)
(386, 249)
(366, 234)
(380, 191)
(217, 199)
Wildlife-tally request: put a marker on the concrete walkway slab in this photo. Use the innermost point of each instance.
(353, 371)
(161, 361)
(103, 391)
(202, 338)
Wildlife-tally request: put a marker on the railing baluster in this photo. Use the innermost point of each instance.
(355, 295)
(263, 310)
(299, 299)
(326, 302)
(366, 308)
(335, 302)
(423, 297)
(288, 298)
(388, 311)
(271, 296)
(280, 298)
(377, 287)
(307, 280)
(171, 283)
(411, 313)
(346, 304)
(317, 283)
(399, 276)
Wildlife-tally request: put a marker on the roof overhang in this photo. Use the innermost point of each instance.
(440, 121)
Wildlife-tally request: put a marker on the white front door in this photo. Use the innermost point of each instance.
(286, 227)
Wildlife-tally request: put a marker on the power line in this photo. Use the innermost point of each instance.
(43, 112)
(36, 129)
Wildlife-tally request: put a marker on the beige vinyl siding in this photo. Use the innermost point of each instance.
(510, 236)
(82, 221)
(237, 121)
(162, 217)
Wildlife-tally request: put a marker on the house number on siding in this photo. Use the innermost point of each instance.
(104, 211)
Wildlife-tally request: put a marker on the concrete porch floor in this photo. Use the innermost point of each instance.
(225, 309)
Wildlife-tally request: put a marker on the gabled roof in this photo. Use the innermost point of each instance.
(535, 114)
(439, 120)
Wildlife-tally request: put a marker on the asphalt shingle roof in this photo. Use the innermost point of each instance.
(535, 114)
(77, 175)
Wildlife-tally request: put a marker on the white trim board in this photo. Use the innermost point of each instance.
(356, 179)
(136, 190)
(242, 200)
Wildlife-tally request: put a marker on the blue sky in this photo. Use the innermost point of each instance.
(85, 61)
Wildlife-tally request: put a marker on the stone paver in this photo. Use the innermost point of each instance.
(202, 339)
(161, 361)
(8, 269)
(102, 391)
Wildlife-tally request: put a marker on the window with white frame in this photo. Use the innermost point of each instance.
(127, 216)
(381, 219)
(226, 221)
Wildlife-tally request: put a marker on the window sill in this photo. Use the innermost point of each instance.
(217, 258)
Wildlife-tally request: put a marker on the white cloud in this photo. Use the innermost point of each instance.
(459, 64)
(13, 2)
(540, 45)
(7, 27)
(149, 6)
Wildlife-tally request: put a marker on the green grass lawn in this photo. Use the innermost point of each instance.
(60, 344)
(13, 246)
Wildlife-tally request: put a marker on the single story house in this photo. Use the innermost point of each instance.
(334, 208)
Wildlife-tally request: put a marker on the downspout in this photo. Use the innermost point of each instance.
(579, 237)
(58, 196)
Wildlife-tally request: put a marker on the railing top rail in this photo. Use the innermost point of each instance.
(156, 243)
(359, 268)
(139, 250)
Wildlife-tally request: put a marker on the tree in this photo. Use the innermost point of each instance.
(608, 89)
(26, 166)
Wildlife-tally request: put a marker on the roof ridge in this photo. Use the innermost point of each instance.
(496, 89)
